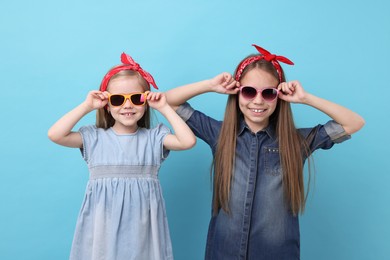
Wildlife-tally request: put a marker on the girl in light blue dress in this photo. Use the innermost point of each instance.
(123, 213)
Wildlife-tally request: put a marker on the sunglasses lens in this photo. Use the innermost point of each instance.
(269, 94)
(117, 100)
(248, 92)
(137, 99)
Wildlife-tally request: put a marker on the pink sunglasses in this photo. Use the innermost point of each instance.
(269, 94)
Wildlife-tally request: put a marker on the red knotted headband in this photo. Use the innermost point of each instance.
(128, 64)
(266, 55)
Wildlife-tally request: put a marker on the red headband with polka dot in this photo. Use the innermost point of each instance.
(266, 55)
(128, 64)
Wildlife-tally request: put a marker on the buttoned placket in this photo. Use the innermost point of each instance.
(256, 185)
(254, 157)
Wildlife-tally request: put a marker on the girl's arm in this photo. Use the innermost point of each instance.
(293, 92)
(61, 132)
(183, 138)
(222, 83)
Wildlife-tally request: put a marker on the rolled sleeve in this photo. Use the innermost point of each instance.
(336, 132)
(185, 111)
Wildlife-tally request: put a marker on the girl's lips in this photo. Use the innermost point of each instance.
(258, 110)
(127, 113)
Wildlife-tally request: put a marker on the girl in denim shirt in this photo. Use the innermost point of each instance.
(259, 156)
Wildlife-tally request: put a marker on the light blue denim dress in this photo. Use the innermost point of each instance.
(123, 213)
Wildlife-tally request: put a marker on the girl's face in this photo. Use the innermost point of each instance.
(257, 111)
(127, 115)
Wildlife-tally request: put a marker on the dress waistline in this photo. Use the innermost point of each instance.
(123, 171)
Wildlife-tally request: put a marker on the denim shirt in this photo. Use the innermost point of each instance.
(259, 225)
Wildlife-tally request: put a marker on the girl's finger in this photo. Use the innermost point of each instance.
(149, 96)
(106, 94)
(101, 96)
(231, 85)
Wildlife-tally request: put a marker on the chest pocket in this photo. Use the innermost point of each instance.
(272, 161)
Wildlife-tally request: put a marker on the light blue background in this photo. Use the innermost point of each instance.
(53, 52)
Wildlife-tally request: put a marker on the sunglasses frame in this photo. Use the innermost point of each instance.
(128, 97)
(261, 93)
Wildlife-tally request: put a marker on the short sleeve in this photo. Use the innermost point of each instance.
(89, 136)
(161, 131)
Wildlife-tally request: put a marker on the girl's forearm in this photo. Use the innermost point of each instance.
(351, 121)
(177, 96)
(184, 138)
(59, 132)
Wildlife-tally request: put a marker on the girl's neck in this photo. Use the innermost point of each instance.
(124, 129)
(257, 127)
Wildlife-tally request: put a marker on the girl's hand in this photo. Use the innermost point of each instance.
(156, 100)
(292, 92)
(96, 99)
(224, 83)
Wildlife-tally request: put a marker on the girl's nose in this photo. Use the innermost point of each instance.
(258, 98)
(127, 103)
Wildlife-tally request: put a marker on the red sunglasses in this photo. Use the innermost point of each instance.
(269, 94)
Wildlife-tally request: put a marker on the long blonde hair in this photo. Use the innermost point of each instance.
(105, 120)
(291, 145)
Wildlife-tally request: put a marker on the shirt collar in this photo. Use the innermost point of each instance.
(270, 129)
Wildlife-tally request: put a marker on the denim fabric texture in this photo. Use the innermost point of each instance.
(259, 225)
(123, 213)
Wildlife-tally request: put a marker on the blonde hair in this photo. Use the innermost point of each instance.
(105, 120)
(291, 144)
